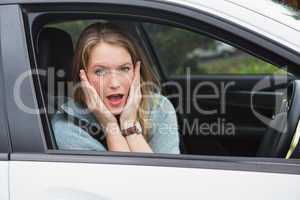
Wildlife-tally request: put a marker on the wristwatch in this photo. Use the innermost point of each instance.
(133, 128)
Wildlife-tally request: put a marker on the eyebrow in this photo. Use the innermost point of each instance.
(103, 66)
(124, 65)
(99, 65)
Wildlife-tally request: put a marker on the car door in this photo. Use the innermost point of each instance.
(4, 143)
(38, 170)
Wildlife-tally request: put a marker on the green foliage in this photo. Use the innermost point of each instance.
(172, 45)
(239, 65)
(175, 46)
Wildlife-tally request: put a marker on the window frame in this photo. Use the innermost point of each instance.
(4, 133)
(173, 14)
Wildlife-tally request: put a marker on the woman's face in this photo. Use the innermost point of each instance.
(110, 71)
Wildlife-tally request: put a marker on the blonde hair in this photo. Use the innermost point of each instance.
(109, 33)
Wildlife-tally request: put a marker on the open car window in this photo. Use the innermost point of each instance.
(213, 86)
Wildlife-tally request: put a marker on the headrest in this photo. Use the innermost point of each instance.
(55, 49)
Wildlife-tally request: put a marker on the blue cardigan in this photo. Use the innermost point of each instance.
(163, 134)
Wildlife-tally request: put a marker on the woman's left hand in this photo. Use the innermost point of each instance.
(130, 110)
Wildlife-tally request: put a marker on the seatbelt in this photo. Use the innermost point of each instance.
(294, 150)
(94, 130)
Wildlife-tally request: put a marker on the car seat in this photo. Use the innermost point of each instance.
(55, 55)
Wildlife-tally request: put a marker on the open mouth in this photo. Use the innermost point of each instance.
(115, 99)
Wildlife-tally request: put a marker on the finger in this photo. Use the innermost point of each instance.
(83, 77)
(131, 99)
(92, 99)
(138, 77)
(136, 80)
(137, 69)
(84, 82)
(88, 90)
(136, 89)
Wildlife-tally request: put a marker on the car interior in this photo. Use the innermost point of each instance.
(54, 48)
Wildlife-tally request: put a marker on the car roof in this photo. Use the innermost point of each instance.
(268, 8)
(267, 17)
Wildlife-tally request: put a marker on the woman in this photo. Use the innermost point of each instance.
(115, 94)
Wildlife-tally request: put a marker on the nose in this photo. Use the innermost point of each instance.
(114, 81)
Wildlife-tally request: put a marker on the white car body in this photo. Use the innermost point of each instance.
(4, 180)
(52, 176)
(84, 181)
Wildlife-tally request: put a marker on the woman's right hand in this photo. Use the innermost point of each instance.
(95, 104)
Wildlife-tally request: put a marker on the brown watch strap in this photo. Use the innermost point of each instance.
(130, 131)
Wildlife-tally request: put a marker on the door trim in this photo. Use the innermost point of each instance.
(4, 157)
(270, 165)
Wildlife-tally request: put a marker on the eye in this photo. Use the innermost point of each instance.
(100, 71)
(124, 68)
